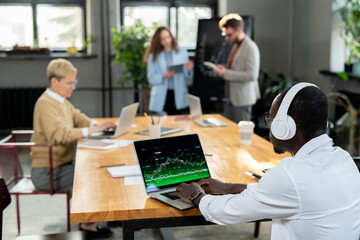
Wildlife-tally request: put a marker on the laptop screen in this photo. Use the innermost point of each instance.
(195, 107)
(168, 161)
(126, 118)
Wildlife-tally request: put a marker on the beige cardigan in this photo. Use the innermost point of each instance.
(59, 124)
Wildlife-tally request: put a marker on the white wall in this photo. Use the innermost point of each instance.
(293, 36)
(338, 54)
(312, 35)
(32, 73)
(271, 29)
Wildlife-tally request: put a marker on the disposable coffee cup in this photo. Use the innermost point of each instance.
(154, 130)
(246, 129)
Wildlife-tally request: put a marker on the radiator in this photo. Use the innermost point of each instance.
(17, 106)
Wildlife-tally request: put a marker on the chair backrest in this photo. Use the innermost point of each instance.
(357, 162)
(10, 167)
(4, 201)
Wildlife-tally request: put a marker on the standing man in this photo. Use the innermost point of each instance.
(313, 195)
(58, 122)
(241, 71)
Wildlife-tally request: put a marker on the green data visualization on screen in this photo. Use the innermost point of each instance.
(167, 161)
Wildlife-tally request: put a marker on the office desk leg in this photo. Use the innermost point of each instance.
(130, 226)
(128, 230)
(257, 229)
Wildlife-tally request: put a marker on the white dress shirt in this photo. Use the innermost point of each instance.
(313, 195)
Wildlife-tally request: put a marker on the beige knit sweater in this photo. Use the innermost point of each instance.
(59, 124)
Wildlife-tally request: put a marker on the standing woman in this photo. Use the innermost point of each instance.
(168, 88)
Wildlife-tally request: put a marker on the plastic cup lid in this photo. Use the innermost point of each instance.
(246, 124)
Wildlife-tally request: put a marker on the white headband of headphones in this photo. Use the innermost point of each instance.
(283, 127)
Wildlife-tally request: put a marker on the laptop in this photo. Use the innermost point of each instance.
(168, 161)
(126, 118)
(196, 114)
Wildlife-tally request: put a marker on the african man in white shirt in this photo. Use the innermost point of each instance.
(315, 194)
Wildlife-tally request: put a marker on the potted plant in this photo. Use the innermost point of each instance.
(130, 45)
(350, 15)
(270, 86)
(276, 83)
(347, 126)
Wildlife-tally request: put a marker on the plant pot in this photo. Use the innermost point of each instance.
(356, 68)
(348, 68)
(144, 94)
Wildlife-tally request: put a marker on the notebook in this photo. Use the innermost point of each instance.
(126, 118)
(163, 131)
(166, 162)
(96, 145)
(196, 114)
(124, 171)
(210, 65)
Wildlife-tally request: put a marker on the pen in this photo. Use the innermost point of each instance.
(255, 175)
(152, 120)
(111, 165)
(147, 117)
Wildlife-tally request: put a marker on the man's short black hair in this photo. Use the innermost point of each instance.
(233, 23)
(231, 20)
(309, 109)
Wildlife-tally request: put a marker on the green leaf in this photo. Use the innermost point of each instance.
(343, 76)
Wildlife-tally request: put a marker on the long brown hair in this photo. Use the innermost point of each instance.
(155, 46)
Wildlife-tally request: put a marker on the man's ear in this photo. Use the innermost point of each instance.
(53, 81)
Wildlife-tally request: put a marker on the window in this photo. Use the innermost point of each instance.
(147, 14)
(186, 32)
(16, 26)
(60, 26)
(180, 16)
(37, 23)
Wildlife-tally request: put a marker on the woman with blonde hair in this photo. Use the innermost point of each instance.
(58, 122)
(168, 88)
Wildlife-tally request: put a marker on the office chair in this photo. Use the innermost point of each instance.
(11, 170)
(5, 200)
(357, 162)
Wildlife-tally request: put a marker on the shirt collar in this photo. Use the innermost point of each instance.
(241, 41)
(313, 145)
(54, 95)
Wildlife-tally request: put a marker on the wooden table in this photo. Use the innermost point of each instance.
(98, 197)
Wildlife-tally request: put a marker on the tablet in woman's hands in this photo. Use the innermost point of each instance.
(176, 68)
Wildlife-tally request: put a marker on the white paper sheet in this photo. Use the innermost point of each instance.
(133, 180)
(124, 171)
(119, 142)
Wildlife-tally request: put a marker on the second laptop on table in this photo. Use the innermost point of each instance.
(196, 114)
(126, 119)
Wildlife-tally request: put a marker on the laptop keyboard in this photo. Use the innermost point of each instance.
(109, 132)
(168, 195)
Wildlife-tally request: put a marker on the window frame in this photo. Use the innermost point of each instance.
(213, 4)
(34, 3)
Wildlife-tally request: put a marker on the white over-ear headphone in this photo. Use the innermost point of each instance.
(283, 126)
